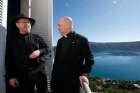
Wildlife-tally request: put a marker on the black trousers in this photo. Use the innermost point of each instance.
(32, 83)
(66, 85)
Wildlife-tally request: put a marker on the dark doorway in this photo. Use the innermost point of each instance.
(13, 10)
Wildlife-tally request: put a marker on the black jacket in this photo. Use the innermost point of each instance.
(17, 55)
(73, 58)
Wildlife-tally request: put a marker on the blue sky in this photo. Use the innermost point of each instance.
(100, 20)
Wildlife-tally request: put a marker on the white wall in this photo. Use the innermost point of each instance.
(2, 58)
(25, 7)
(3, 33)
(41, 10)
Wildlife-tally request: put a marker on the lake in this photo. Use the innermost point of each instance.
(117, 67)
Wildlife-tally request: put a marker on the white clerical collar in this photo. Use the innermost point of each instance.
(65, 36)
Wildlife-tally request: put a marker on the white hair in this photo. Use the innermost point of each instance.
(68, 20)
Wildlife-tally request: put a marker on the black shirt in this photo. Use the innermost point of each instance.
(17, 59)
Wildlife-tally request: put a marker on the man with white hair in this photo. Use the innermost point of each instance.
(72, 60)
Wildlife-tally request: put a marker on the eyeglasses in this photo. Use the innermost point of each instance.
(24, 22)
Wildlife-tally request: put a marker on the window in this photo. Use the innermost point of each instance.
(3, 12)
(30, 8)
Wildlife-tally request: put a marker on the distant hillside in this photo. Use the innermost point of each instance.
(119, 46)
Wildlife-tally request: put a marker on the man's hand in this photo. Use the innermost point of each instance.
(34, 54)
(83, 79)
(13, 82)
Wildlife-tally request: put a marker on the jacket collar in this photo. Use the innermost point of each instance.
(69, 34)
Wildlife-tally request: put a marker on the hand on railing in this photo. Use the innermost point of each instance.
(83, 79)
(84, 84)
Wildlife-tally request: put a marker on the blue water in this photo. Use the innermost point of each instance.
(118, 67)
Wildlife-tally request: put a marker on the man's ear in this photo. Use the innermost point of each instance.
(17, 24)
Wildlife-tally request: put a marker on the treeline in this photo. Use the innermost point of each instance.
(116, 46)
(104, 85)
